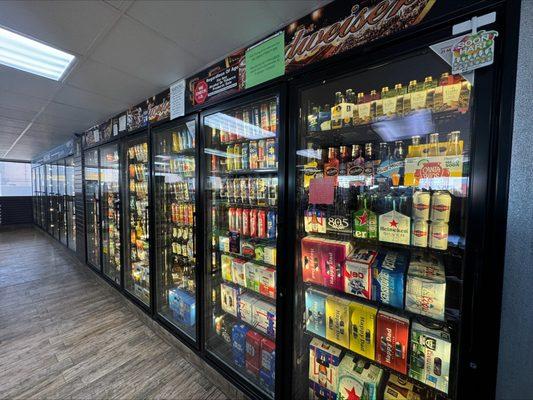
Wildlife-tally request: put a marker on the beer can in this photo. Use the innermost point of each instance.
(261, 224)
(271, 153)
(438, 235)
(273, 116)
(214, 163)
(271, 224)
(246, 222)
(224, 189)
(421, 205)
(229, 190)
(256, 116)
(273, 191)
(186, 214)
(265, 117)
(238, 220)
(245, 160)
(253, 154)
(244, 190)
(419, 233)
(253, 222)
(191, 214)
(252, 191)
(236, 190)
(237, 156)
(261, 191)
(261, 153)
(231, 219)
(229, 158)
(441, 202)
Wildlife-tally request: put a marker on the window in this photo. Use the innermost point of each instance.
(15, 179)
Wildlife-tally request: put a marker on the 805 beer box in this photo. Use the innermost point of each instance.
(392, 341)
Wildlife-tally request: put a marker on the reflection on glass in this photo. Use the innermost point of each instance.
(241, 239)
(92, 209)
(43, 203)
(70, 203)
(52, 176)
(61, 206)
(175, 197)
(137, 275)
(382, 179)
(110, 209)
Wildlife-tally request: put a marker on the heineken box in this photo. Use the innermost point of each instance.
(430, 356)
(388, 278)
(324, 361)
(358, 379)
(315, 312)
(362, 329)
(358, 273)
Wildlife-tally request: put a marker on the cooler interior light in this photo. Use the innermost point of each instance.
(28, 55)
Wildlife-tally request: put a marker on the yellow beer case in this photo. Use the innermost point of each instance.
(363, 329)
(338, 321)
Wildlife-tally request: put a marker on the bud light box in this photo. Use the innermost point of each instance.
(338, 321)
(362, 329)
(324, 361)
(358, 273)
(183, 306)
(388, 278)
(430, 356)
(392, 341)
(358, 379)
(315, 312)
(238, 344)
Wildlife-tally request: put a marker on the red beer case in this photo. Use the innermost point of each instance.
(311, 269)
(392, 341)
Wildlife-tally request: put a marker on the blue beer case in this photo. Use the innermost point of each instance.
(388, 278)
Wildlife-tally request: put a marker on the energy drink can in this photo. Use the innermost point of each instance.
(253, 222)
(246, 222)
(256, 116)
(273, 191)
(253, 154)
(245, 122)
(238, 220)
(261, 224)
(236, 190)
(229, 189)
(261, 153)
(229, 158)
(271, 153)
(214, 163)
(223, 189)
(237, 156)
(252, 191)
(231, 219)
(261, 191)
(271, 225)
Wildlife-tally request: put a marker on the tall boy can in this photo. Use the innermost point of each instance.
(253, 222)
(252, 191)
(261, 224)
(419, 233)
(271, 153)
(246, 222)
(421, 205)
(245, 160)
(253, 154)
(438, 235)
(271, 225)
(440, 206)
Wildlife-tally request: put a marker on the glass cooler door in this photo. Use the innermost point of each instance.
(42, 196)
(110, 209)
(54, 214)
(382, 183)
(92, 208)
(137, 267)
(241, 183)
(61, 206)
(175, 218)
(71, 210)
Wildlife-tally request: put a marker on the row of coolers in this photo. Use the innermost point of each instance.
(414, 282)
(251, 352)
(450, 93)
(336, 373)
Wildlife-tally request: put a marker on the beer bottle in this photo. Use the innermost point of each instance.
(369, 159)
(344, 158)
(452, 148)
(336, 111)
(429, 87)
(378, 103)
(414, 148)
(433, 148)
(357, 162)
(399, 151)
(331, 167)
(464, 96)
(383, 152)
(374, 97)
(399, 92)
(348, 109)
(407, 105)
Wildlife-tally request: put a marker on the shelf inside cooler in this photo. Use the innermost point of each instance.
(245, 172)
(242, 205)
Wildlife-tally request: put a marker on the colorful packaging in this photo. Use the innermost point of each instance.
(224, 326)
(238, 269)
(247, 248)
(229, 296)
(234, 242)
(252, 279)
(253, 352)
(246, 308)
(391, 341)
(324, 362)
(311, 260)
(238, 344)
(267, 381)
(358, 273)
(315, 312)
(183, 306)
(227, 271)
(399, 388)
(259, 253)
(425, 292)
(338, 321)
(265, 317)
(430, 356)
(317, 392)
(332, 259)
(223, 243)
(363, 329)
(269, 255)
(268, 356)
(267, 281)
(388, 278)
(358, 379)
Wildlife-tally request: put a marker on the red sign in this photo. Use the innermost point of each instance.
(200, 92)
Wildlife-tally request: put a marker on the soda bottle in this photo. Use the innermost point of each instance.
(433, 147)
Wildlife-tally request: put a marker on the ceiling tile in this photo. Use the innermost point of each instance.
(16, 81)
(21, 102)
(6, 122)
(17, 115)
(208, 29)
(138, 50)
(291, 10)
(68, 25)
(72, 96)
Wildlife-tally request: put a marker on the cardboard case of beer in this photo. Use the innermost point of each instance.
(246, 308)
(392, 341)
(268, 365)
(183, 306)
(265, 317)
(226, 266)
(362, 329)
(399, 388)
(358, 379)
(229, 296)
(317, 392)
(315, 312)
(333, 254)
(238, 344)
(253, 352)
(358, 273)
(338, 321)
(311, 268)
(425, 292)
(267, 281)
(324, 361)
(388, 278)
(224, 327)
(238, 268)
(430, 356)
(251, 276)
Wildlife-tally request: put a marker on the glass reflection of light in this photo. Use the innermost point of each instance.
(234, 125)
(310, 153)
(221, 153)
(456, 185)
(419, 123)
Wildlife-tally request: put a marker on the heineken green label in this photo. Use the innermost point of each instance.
(365, 224)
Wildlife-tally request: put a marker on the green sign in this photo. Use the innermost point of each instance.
(266, 60)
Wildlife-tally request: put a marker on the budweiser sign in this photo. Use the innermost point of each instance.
(367, 21)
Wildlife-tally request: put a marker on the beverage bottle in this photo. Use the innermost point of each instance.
(452, 148)
(237, 156)
(273, 111)
(378, 101)
(324, 118)
(349, 106)
(344, 158)
(414, 148)
(399, 150)
(464, 96)
(429, 87)
(336, 111)
(331, 167)
(383, 152)
(369, 161)
(398, 157)
(312, 120)
(357, 162)
(407, 104)
(433, 147)
(399, 92)
(374, 98)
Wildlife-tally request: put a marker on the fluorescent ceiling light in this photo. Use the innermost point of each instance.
(28, 55)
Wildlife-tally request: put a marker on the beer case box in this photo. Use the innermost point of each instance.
(253, 351)
(246, 308)
(424, 171)
(388, 278)
(318, 392)
(267, 381)
(252, 370)
(223, 243)
(363, 329)
(315, 312)
(229, 296)
(324, 361)
(234, 242)
(259, 253)
(265, 317)
(238, 268)
(251, 276)
(183, 306)
(392, 333)
(224, 327)
(430, 356)
(238, 344)
(270, 255)
(226, 266)
(360, 378)
(267, 281)
(333, 254)
(425, 292)
(399, 388)
(338, 321)
(247, 248)
(268, 356)
(358, 273)
(311, 268)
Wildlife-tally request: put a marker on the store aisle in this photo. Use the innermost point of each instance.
(63, 334)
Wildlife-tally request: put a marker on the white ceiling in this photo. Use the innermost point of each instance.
(126, 52)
